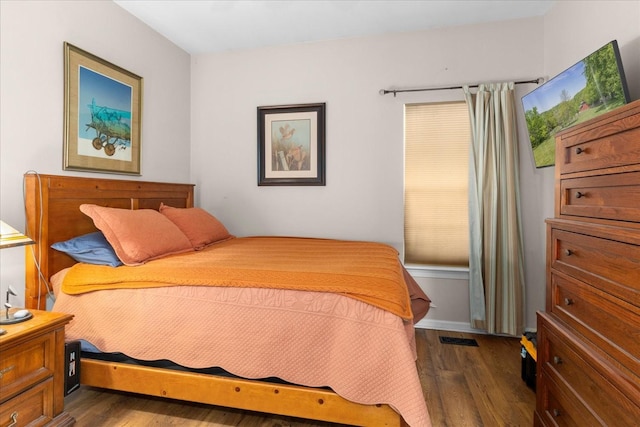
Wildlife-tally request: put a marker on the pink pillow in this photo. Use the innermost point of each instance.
(139, 235)
(200, 227)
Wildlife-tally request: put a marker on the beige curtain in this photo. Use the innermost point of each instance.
(496, 264)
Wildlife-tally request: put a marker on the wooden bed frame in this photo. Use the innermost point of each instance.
(52, 209)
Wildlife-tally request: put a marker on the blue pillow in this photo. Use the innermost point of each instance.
(91, 248)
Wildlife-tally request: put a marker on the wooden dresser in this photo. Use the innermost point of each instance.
(32, 372)
(589, 336)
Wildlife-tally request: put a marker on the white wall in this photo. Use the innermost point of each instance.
(363, 198)
(31, 103)
(573, 30)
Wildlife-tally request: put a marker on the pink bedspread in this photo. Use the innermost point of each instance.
(363, 353)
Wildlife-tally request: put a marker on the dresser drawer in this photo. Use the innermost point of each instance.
(611, 197)
(608, 322)
(613, 145)
(611, 266)
(33, 407)
(26, 364)
(558, 406)
(568, 363)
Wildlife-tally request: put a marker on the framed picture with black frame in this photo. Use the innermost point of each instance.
(291, 144)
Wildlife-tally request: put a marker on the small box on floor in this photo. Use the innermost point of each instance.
(72, 366)
(529, 358)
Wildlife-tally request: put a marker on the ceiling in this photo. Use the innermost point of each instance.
(206, 26)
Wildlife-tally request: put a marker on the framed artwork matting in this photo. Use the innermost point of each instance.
(102, 112)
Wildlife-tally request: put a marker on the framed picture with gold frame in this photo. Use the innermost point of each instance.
(102, 114)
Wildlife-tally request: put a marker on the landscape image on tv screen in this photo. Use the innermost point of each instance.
(589, 88)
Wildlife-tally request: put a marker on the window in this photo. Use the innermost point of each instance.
(436, 227)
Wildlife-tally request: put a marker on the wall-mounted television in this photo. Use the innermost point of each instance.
(589, 88)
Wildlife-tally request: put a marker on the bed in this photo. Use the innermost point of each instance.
(256, 379)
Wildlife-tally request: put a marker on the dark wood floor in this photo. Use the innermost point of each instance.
(463, 386)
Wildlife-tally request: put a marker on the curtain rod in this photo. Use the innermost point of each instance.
(396, 91)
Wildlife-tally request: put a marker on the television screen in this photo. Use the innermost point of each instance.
(589, 88)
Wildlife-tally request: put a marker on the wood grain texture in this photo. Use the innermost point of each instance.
(588, 351)
(463, 386)
(32, 371)
(52, 206)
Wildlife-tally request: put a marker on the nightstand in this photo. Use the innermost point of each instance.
(32, 371)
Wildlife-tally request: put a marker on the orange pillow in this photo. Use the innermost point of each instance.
(139, 235)
(200, 227)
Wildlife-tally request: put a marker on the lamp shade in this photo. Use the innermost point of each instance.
(10, 237)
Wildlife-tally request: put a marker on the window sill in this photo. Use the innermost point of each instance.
(438, 272)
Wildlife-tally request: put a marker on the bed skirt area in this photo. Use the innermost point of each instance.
(90, 352)
(364, 354)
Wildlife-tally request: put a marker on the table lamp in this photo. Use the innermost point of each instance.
(9, 238)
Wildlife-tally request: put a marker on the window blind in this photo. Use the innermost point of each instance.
(436, 226)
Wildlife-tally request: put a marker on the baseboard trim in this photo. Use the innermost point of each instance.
(443, 325)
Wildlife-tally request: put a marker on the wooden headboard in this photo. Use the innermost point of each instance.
(52, 209)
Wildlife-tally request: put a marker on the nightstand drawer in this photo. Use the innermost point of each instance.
(606, 264)
(570, 365)
(608, 322)
(26, 364)
(31, 408)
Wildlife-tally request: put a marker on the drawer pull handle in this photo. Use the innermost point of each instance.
(5, 370)
(568, 252)
(580, 195)
(579, 150)
(568, 301)
(14, 420)
(557, 360)
(556, 412)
